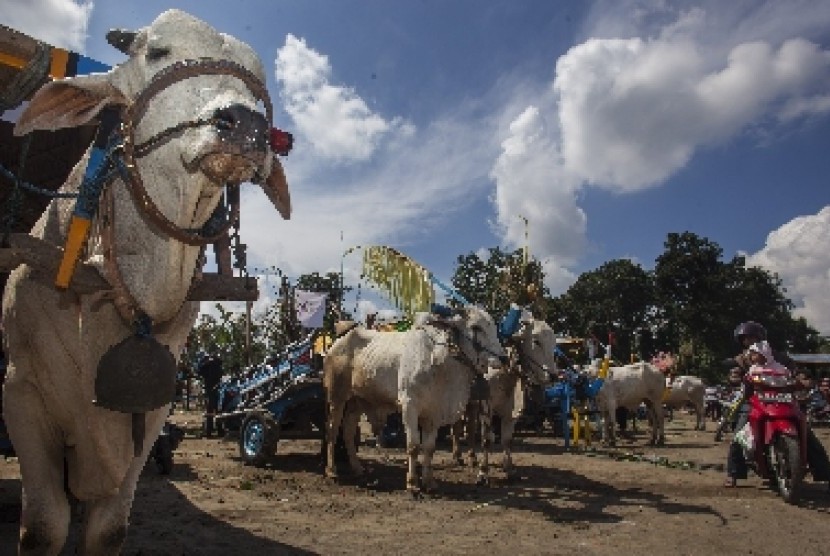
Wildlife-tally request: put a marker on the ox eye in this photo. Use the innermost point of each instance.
(157, 52)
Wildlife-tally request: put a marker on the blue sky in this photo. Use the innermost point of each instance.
(436, 126)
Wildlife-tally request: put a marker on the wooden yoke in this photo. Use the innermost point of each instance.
(44, 258)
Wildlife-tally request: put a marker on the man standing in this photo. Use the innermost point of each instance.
(210, 370)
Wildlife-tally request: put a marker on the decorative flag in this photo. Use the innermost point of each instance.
(311, 308)
(407, 284)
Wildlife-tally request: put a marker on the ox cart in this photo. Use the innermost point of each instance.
(283, 398)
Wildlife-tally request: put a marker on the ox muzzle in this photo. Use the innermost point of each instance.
(242, 131)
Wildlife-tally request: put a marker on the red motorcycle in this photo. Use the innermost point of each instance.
(776, 433)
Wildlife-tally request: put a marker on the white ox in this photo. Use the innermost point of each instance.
(628, 386)
(687, 389)
(531, 357)
(54, 339)
(425, 372)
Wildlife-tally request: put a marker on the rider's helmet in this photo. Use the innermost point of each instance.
(751, 329)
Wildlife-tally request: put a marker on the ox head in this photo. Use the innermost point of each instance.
(475, 334)
(231, 148)
(195, 116)
(233, 144)
(536, 342)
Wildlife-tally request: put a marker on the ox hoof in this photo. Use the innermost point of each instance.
(331, 473)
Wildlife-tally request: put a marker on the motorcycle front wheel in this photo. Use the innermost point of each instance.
(785, 463)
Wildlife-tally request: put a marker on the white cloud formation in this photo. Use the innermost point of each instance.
(634, 111)
(334, 119)
(797, 252)
(653, 83)
(531, 185)
(61, 23)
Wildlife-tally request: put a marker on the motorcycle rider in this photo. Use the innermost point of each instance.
(747, 334)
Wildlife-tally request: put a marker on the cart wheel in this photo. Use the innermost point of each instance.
(258, 439)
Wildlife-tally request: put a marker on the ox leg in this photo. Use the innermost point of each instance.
(508, 425)
(701, 418)
(456, 431)
(429, 436)
(106, 520)
(484, 418)
(413, 446)
(472, 431)
(335, 417)
(658, 437)
(44, 522)
(609, 426)
(351, 420)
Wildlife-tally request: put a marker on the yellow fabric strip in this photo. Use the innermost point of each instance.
(60, 58)
(75, 240)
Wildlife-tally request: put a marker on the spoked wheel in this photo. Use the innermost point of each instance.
(258, 439)
(785, 459)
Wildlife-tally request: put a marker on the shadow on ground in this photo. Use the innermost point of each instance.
(190, 531)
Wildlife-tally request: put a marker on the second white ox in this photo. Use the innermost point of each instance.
(628, 386)
(425, 372)
(687, 389)
(531, 356)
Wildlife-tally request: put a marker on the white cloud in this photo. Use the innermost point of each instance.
(634, 111)
(61, 23)
(531, 185)
(334, 119)
(652, 84)
(420, 181)
(797, 252)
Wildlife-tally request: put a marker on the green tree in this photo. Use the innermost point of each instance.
(226, 335)
(501, 278)
(701, 300)
(617, 298)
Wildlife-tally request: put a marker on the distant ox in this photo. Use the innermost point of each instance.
(628, 386)
(687, 389)
(196, 127)
(531, 358)
(425, 373)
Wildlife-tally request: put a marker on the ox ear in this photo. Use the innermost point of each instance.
(276, 189)
(68, 103)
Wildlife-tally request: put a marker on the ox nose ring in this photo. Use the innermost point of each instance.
(242, 126)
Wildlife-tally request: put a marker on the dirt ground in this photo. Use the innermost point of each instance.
(620, 501)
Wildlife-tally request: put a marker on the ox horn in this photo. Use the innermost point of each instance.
(276, 189)
(121, 39)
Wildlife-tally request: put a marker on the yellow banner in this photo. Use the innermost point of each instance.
(405, 282)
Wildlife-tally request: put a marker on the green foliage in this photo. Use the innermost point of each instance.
(501, 278)
(270, 331)
(617, 298)
(688, 305)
